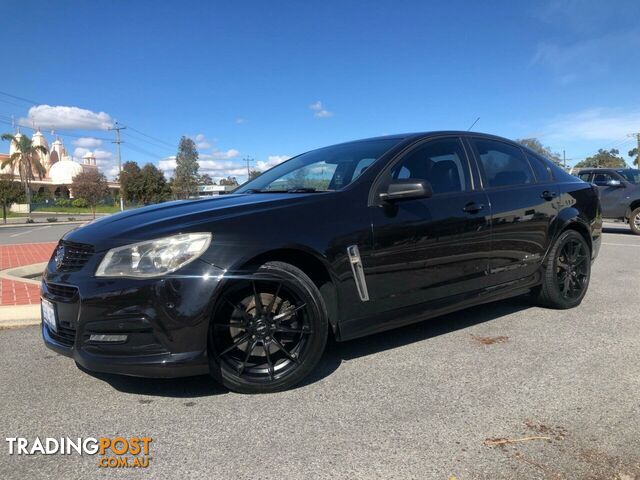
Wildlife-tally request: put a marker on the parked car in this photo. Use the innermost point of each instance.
(346, 240)
(619, 193)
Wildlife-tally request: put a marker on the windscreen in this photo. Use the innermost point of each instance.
(325, 169)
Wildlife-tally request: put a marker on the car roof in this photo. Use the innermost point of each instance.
(417, 135)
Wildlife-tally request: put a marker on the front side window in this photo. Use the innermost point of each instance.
(584, 176)
(325, 169)
(630, 175)
(602, 178)
(503, 164)
(441, 162)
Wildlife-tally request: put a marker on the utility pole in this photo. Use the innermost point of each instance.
(564, 159)
(638, 149)
(249, 161)
(117, 129)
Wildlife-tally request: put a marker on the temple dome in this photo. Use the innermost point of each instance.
(63, 171)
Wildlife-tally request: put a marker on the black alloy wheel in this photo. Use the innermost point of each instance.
(268, 331)
(567, 272)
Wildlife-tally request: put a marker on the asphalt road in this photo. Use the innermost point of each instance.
(419, 402)
(34, 233)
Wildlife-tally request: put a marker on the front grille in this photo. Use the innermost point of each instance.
(75, 256)
(66, 334)
(63, 292)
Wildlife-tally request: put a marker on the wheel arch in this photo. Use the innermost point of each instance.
(632, 206)
(312, 264)
(569, 219)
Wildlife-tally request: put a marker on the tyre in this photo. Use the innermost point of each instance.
(634, 221)
(268, 331)
(567, 272)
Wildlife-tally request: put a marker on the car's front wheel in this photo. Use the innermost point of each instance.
(567, 272)
(268, 330)
(634, 221)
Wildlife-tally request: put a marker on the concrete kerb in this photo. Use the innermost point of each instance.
(16, 316)
(38, 224)
(17, 274)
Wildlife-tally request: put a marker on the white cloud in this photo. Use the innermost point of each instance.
(87, 142)
(219, 168)
(240, 120)
(167, 165)
(319, 111)
(272, 161)
(593, 124)
(222, 154)
(63, 118)
(80, 152)
(202, 142)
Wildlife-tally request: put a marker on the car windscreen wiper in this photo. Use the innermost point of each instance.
(291, 190)
(263, 190)
(305, 190)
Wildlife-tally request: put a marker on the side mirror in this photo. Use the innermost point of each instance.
(406, 189)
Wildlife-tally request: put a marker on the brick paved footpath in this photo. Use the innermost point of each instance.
(21, 293)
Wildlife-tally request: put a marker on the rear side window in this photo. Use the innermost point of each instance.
(503, 164)
(542, 171)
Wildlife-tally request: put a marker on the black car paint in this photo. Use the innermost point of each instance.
(421, 258)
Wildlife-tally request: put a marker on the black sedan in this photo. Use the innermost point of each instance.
(345, 240)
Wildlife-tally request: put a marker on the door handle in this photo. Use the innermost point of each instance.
(548, 195)
(473, 207)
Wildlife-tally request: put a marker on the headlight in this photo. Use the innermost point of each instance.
(154, 258)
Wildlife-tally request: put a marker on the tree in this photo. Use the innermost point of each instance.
(185, 179)
(604, 158)
(130, 182)
(154, 188)
(92, 186)
(254, 173)
(635, 153)
(229, 181)
(205, 179)
(25, 160)
(10, 193)
(535, 145)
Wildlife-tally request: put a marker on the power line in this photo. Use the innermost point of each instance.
(153, 138)
(16, 97)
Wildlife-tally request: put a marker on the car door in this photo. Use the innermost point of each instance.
(429, 248)
(612, 197)
(522, 209)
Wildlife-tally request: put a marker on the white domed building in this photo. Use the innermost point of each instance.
(60, 168)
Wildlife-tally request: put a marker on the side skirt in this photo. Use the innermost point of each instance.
(361, 327)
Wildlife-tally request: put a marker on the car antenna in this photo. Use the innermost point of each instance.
(476, 121)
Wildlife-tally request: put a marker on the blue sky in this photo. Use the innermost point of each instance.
(271, 79)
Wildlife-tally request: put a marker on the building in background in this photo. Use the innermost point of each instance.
(214, 190)
(59, 166)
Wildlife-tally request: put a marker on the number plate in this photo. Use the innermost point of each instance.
(49, 314)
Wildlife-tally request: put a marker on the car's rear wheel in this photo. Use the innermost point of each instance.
(567, 272)
(268, 330)
(634, 221)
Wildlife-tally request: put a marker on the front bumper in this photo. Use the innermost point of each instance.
(165, 320)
